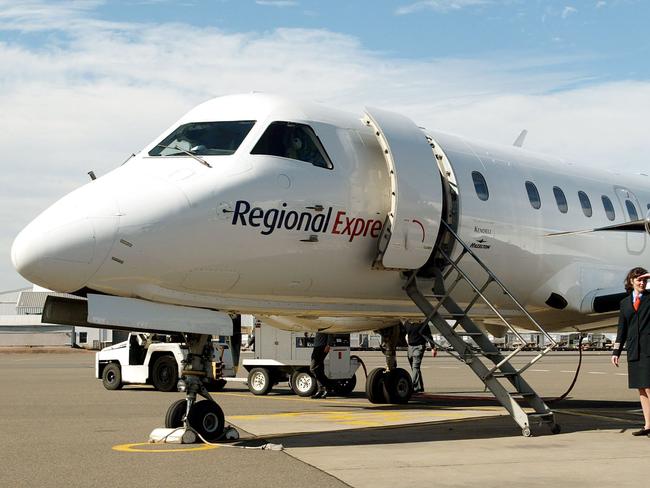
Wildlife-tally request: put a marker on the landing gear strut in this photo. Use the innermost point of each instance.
(392, 384)
(204, 417)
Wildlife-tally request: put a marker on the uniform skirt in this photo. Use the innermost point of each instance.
(638, 372)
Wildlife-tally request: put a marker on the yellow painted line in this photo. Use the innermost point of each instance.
(270, 437)
(358, 418)
(292, 399)
(134, 448)
(578, 413)
(350, 414)
(362, 404)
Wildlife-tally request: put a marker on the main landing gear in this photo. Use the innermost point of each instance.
(204, 417)
(390, 384)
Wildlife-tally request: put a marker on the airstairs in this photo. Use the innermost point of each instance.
(470, 344)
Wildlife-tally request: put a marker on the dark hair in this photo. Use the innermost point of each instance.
(634, 272)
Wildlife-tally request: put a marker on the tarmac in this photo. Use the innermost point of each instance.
(60, 427)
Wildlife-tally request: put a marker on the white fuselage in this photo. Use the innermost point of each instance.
(295, 242)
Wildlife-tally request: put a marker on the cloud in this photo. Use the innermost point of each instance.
(568, 11)
(439, 5)
(98, 91)
(601, 4)
(277, 3)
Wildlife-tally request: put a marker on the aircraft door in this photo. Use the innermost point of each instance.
(411, 227)
(632, 210)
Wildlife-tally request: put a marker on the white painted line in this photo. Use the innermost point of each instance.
(621, 374)
(448, 367)
(595, 372)
(567, 371)
(540, 370)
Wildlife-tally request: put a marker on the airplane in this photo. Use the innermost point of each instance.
(318, 219)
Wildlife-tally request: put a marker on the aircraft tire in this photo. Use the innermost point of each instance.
(112, 376)
(398, 386)
(303, 383)
(207, 419)
(345, 387)
(259, 381)
(164, 374)
(175, 412)
(375, 386)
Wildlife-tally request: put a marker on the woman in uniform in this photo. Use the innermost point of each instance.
(634, 329)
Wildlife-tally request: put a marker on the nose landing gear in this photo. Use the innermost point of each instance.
(204, 417)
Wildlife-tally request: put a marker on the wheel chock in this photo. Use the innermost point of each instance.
(179, 435)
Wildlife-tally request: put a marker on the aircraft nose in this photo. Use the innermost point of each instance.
(64, 246)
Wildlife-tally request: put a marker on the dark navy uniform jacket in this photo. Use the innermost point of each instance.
(633, 327)
(418, 334)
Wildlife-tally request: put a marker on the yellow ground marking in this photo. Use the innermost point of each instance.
(357, 418)
(361, 404)
(291, 399)
(578, 413)
(134, 448)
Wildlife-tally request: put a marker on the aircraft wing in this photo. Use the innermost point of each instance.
(641, 225)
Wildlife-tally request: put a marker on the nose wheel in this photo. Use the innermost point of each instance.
(205, 417)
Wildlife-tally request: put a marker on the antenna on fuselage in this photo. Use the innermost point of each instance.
(519, 141)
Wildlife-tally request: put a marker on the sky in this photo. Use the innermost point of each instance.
(84, 84)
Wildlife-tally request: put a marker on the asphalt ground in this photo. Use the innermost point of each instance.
(60, 427)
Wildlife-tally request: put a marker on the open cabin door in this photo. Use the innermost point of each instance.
(411, 227)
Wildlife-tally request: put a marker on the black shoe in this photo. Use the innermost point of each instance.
(319, 394)
(641, 432)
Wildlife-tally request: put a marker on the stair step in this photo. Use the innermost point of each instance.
(504, 375)
(545, 415)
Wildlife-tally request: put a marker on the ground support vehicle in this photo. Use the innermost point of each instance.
(285, 356)
(156, 359)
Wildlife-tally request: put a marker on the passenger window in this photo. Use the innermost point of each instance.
(560, 199)
(533, 195)
(609, 208)
(293, 141)
(631, 210)
(480, 186)
(585, 203)
(204, 139)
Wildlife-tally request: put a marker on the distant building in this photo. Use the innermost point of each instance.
(21, 325)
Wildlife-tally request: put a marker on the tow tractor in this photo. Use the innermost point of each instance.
(156, 359)
(285, 356)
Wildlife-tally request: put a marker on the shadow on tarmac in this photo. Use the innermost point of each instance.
(572, 415)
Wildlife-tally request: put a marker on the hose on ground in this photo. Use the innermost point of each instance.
(575, 376)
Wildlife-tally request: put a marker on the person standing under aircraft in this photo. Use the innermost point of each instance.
(417, 336)
(322, 343)
(634, 330)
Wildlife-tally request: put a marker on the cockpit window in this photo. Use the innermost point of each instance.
(204, 139)
(294, 141)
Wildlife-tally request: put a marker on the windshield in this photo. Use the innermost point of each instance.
(204, 139)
